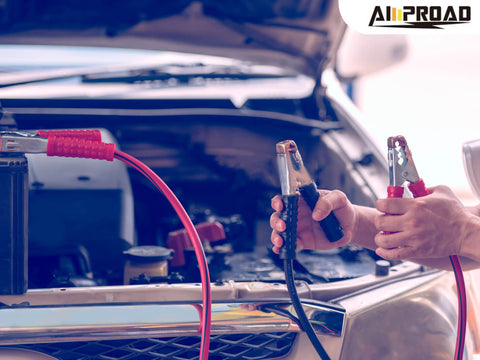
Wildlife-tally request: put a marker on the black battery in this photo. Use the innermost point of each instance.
(13, 224)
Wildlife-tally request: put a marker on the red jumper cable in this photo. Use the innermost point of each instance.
(86, 144)
(402, 169)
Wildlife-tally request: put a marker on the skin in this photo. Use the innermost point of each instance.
(425, 230)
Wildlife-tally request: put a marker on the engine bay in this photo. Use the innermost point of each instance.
(88, 219)
(81, 231)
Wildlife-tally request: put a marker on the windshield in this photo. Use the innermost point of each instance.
(80, 72)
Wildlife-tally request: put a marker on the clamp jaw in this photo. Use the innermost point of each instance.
(294, 179)
(22, 142)
(292, 172)
(402, 169)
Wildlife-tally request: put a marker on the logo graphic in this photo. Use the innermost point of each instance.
(411, 16)
(420, 17)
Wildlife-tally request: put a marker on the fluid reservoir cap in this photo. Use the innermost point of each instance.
(382, 267)
(149, 253)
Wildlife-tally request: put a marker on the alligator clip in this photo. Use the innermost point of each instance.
(22, 142)
(294, 178)
(402, 169)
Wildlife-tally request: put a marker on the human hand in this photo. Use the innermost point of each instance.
(309, 233)
(432, 226)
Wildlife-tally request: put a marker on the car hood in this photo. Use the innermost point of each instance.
(302, 35)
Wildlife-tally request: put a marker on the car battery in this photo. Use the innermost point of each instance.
(13, 224)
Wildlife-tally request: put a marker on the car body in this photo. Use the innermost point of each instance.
(219, 85)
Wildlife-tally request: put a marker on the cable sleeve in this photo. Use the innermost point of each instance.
(94, 135)
(395, 192)
(288, 254)
(79, 148)
(418, 189)
(289, 236)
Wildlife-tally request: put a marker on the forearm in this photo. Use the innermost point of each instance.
(470, 246)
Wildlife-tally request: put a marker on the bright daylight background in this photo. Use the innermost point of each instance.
(432, 97)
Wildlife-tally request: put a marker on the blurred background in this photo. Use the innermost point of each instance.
(431, 95)
(424, 87)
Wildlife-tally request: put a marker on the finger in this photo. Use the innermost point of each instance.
(277, 203)
(399, 253)
(440, 189)
(389, 223)
(328, 202)
(276, 223)
(391, 241)
(277, 242)
(395, 206)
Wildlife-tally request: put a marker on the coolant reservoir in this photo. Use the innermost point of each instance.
(151, 261)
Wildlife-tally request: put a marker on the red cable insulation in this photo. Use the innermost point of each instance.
(182, 214)
(200, 315)
(84, 148)
(419, 189)
(94, 135)
(462, 307)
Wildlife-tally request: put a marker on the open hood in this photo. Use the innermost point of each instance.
(303, 35)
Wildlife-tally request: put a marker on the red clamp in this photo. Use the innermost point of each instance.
(94, 135)
(179, 241)
(80, 148)
(402, 169)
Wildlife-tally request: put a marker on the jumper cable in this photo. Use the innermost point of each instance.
(402, 170)
(295, 181)
(87, 144)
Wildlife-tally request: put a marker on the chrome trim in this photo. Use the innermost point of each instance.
(192, 293)
(45, 324)
(109, 313)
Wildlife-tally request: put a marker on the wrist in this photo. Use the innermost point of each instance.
(470, 238)
(364, 230)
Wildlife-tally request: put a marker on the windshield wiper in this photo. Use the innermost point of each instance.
(187, 73)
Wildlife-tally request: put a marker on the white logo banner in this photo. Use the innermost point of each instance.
(412, 16)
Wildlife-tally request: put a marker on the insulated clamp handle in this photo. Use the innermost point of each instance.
(394, 192)
(289, 236)
(418, 189)
(330, 225)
